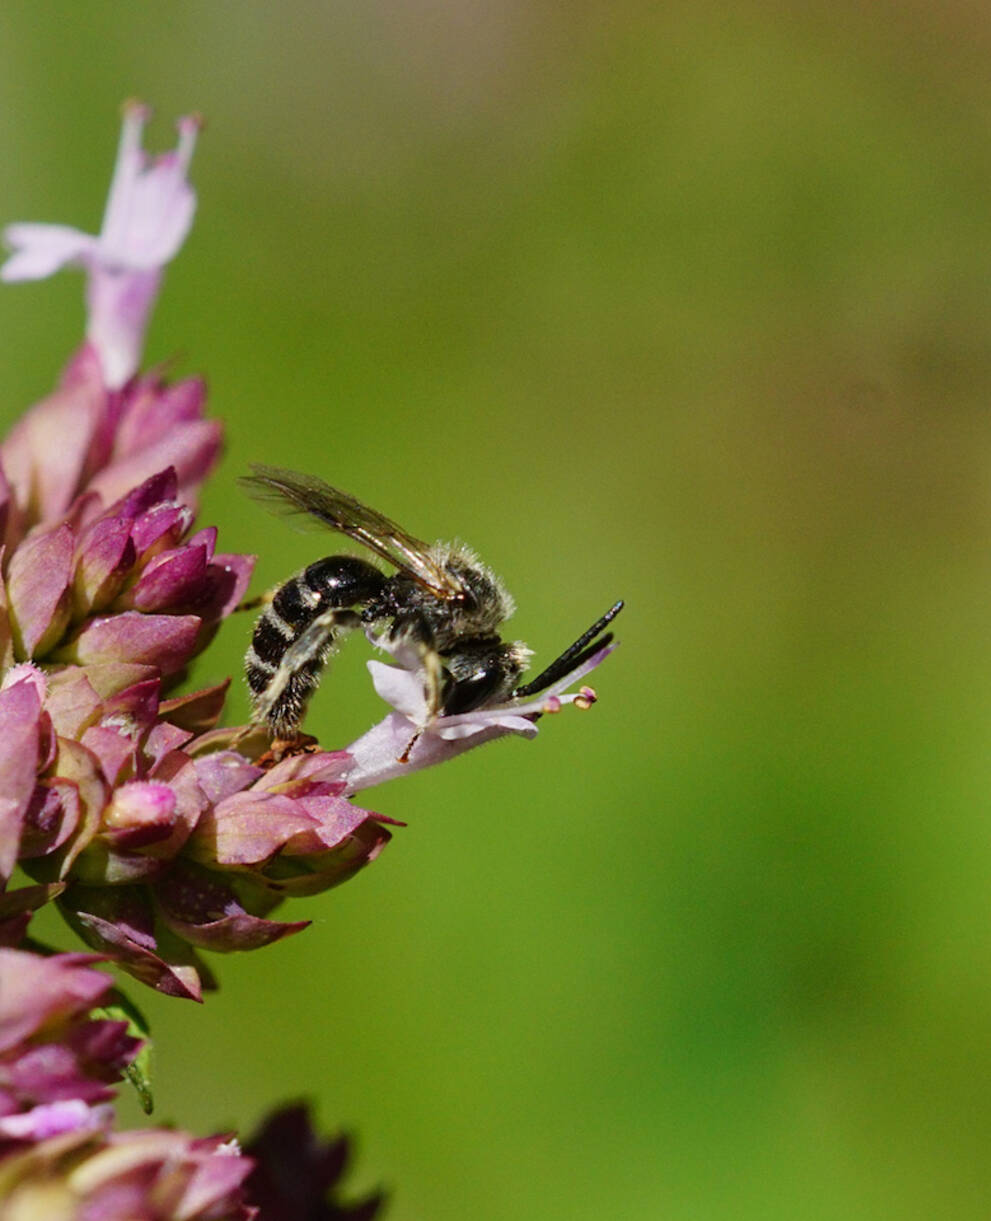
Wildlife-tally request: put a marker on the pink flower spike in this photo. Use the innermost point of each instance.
(148, 214)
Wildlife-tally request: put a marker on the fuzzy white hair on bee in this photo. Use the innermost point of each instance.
(490, 603)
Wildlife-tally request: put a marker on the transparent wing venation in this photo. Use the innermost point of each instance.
(295, 493)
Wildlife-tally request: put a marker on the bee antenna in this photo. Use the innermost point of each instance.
(573, 656)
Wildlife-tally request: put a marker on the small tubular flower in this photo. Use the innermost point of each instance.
(407, 739)
(148, 214)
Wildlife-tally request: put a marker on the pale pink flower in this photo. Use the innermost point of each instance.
(148, 214)
(407, 739)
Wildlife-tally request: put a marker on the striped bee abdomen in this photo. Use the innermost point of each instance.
(296, 632)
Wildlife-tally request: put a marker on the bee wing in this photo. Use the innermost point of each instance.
(292, 492)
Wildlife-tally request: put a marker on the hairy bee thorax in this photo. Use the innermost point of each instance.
(486, 604)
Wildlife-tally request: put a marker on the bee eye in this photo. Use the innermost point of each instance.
(467, 600)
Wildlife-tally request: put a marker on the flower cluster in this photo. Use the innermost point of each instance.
(56, 1063)
(59, 1157)
(298, 1175)
(61, 1160)
(158, 834)
(162, 843)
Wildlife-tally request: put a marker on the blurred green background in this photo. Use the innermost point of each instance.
(689, 304)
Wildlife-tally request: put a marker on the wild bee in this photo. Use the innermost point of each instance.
(438, 612)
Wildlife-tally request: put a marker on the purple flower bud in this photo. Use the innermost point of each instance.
(105, 555)
(140, 812)
(20, 711)
(38, 590)
(164, 642)
(50, 451)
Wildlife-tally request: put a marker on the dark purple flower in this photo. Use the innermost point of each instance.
(298, 1176)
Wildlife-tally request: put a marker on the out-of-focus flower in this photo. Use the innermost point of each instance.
(60, 1160)
(56, 1063)
(148, 214)
(298, 1175)
(149, 1175)
(85, 440)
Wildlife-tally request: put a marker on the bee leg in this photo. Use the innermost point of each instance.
(285, 748)
(433, 681)
(421, 639)
(265, 599)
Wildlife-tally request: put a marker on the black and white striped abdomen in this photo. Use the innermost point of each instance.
(296, 632)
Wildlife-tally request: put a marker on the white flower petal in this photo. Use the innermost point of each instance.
(403, 689)
(504, 722)
(407, 733)
(40, 250)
